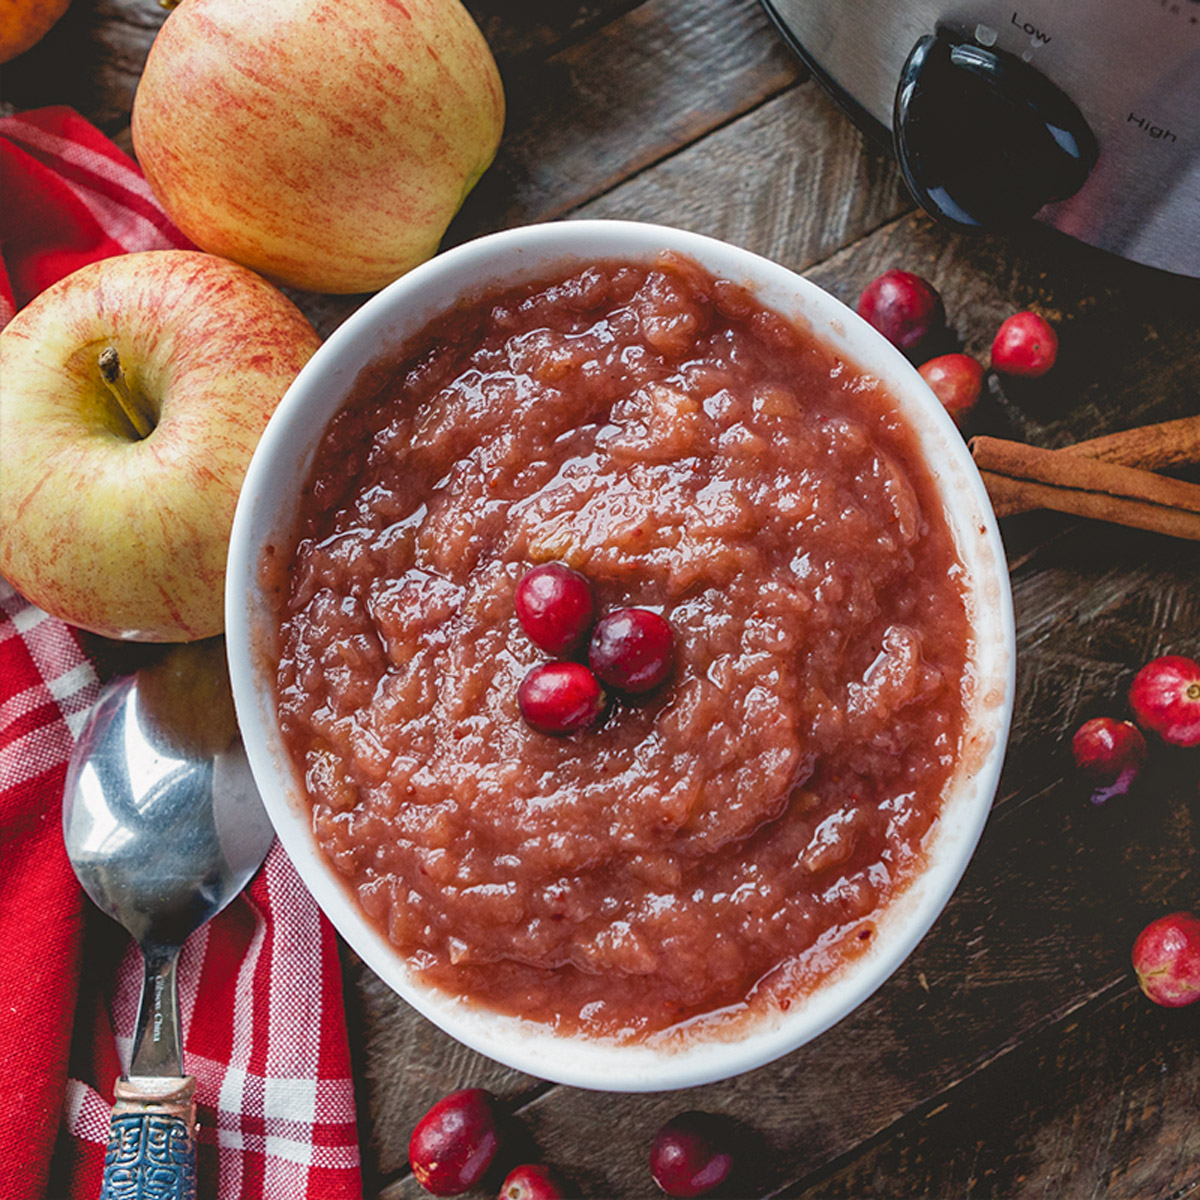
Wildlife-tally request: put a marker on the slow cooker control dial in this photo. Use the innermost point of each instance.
(984, 139)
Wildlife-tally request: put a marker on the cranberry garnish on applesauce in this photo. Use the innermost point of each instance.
(560, 697)
(632, 650)
(555, 607)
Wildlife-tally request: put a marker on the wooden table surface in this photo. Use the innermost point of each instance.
(1012, 1055)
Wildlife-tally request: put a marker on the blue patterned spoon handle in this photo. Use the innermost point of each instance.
(151, 1151)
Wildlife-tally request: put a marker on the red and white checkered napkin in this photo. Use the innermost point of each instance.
(261, 993)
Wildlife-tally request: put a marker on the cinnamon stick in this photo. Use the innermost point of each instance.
(1166, 444)
(1089, 487)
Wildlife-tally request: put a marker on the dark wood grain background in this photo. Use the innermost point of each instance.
(1012, 1055)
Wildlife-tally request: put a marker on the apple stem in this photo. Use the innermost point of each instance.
(114, 376)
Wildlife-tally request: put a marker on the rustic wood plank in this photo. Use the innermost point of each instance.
(794, 181)
(656, 79)
(535, 28)
(1103, 1106)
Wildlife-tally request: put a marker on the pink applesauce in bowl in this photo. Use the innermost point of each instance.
(714, 848)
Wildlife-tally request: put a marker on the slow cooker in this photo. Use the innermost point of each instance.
(1084, 114)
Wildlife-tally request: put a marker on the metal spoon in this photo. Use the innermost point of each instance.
(164, 826)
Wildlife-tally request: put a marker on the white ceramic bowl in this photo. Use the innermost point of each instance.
(266, 513)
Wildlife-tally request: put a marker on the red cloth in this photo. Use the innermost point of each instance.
(260, 986)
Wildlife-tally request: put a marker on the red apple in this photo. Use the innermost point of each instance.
(324, 143)
(23, 23)
(116, 502)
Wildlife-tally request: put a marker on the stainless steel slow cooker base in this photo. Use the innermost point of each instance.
(1132, 69)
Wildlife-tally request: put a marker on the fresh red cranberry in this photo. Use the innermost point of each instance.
(1025, 344)
(455, 1142)
(956, 380)
(1110, 754)
(530, 1182)
(1165, 698)
(692, 1154)
(555, 607)
(632, 649)
(1166, 957)
(560, 697)
(905, 308)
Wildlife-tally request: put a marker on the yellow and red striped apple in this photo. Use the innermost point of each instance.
(324, 143)
(132, 395)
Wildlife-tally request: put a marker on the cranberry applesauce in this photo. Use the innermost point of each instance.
(712, 846)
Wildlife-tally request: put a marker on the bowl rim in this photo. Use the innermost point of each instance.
(263, 515)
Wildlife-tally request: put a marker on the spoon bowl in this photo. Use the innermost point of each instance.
(162, 821)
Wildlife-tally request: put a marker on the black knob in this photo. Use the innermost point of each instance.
(984, 139)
